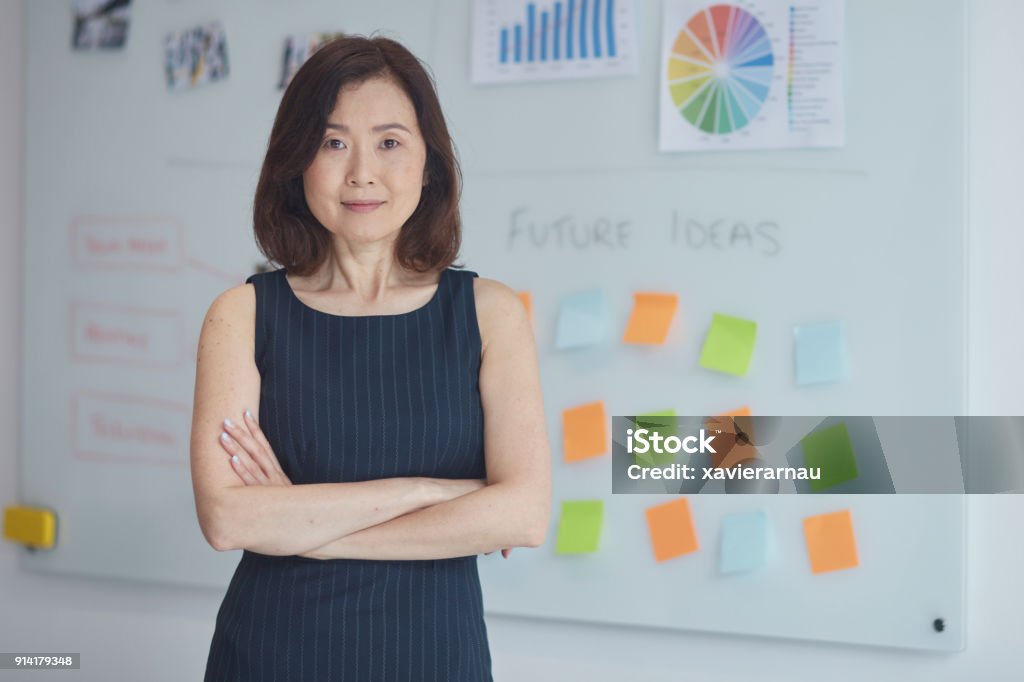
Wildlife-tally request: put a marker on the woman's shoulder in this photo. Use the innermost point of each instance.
(237, 304)
(492, 295)
(228, 326)
(499, 309)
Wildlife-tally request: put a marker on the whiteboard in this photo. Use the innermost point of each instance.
(871, 234)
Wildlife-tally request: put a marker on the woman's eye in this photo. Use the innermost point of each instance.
(330, 144)
(390, 143)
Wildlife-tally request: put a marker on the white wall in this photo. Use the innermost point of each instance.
(129, 632)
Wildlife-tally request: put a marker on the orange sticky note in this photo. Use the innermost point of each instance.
(527, 300)
(584, 432)
(651, 317)
(831, 545)
(671, 528)
(739, 412)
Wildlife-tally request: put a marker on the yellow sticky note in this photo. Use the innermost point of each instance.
(527, 300)
(30, 526)
(671, 529)
(584, 432)
(579, 529)
(651, 317)
(831, 545)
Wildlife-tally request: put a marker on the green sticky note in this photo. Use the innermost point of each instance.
(644, 459)
(729, 344)
(580, 526)
(831, 450)
(663, 422)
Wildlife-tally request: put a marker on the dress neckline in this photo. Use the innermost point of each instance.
(429, 304)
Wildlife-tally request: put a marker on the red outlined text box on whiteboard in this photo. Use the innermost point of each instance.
(125, 335)
(127, 242)
(134, 428)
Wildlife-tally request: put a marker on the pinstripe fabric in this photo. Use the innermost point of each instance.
(354, 399)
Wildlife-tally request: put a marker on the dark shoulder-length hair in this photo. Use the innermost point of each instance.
(287, 232)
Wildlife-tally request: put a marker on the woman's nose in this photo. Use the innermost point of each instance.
(360, 170)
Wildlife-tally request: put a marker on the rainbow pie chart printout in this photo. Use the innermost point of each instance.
(751, 75)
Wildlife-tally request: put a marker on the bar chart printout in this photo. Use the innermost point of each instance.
(517, 40)
(751, 74)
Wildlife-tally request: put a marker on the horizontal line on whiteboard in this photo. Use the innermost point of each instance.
(655, 169)
(211, 164)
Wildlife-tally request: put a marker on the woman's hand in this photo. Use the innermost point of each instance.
(252, 457)
(446, 489)
(505, 552)
(450, 488)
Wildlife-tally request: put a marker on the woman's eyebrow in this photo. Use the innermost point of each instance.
(376, 129)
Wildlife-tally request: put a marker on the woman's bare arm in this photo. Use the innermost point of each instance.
(273, 519)
(514, 508)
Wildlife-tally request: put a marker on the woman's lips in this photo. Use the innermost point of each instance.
(362, 206)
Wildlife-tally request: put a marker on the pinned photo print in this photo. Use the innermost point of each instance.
(100, 24)
(299, 47)
(195, 56)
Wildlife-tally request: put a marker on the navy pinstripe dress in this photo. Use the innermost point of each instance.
(353, 399)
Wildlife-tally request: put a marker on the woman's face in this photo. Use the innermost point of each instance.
(368, 173)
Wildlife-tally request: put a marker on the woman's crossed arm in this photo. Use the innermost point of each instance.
(274, 517)
(512, 510)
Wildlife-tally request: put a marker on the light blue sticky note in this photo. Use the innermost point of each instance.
(583, 320)
(820, 353)
(744, 546)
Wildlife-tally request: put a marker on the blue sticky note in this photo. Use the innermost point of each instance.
(820, 353)
(744, 545)
(583, 320)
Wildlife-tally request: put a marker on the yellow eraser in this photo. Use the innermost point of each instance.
(32, 526)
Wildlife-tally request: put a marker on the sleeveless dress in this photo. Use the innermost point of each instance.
(348, 399)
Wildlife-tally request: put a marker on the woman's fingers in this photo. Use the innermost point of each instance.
(241, 462)
(245, 439)
(504, 552)
(242, 471)
(257, 433)
(263, 456)
(258, 460)
(257, 446)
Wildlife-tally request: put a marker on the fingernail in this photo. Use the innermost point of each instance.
(249, 414)
(234, 458)
(225, 437)
(228, 423)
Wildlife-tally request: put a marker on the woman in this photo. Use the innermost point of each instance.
(400, 426)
